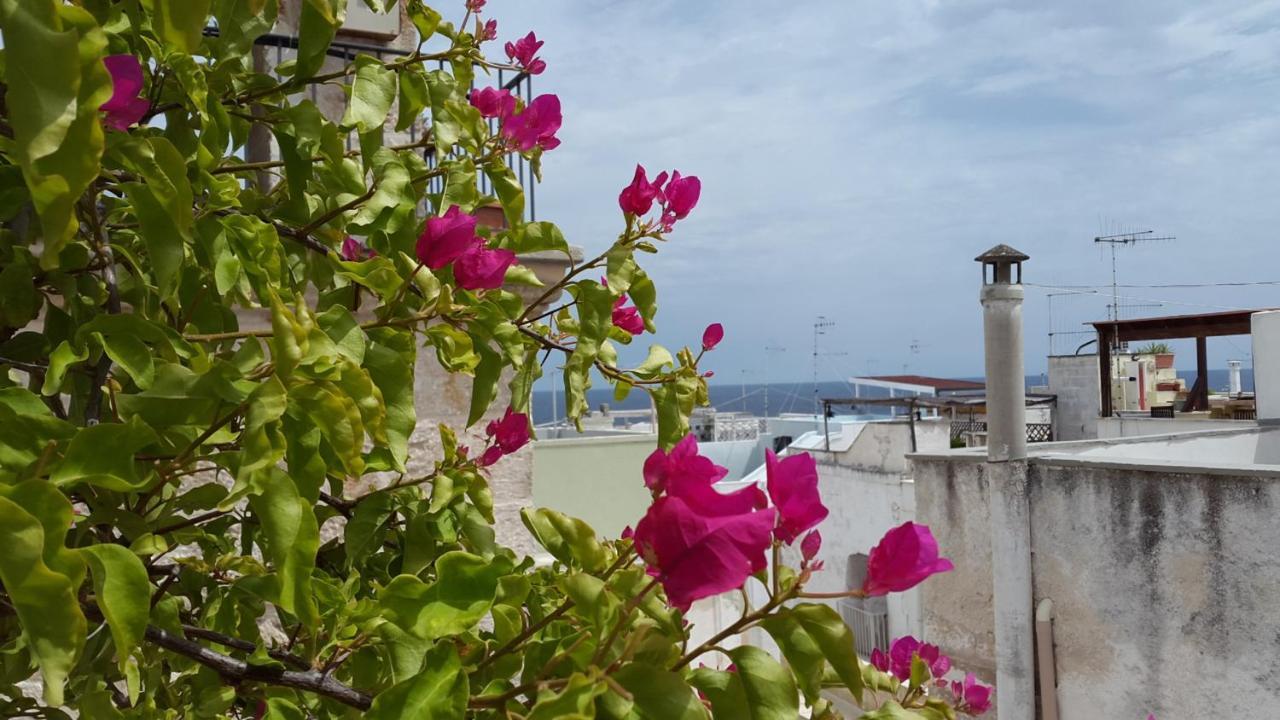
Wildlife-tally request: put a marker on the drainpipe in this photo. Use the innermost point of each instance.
(1006, 472)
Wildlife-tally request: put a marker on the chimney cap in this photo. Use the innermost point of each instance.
(1002, 253)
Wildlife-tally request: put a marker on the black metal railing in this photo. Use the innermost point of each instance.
(519, 83)
(1036, 432)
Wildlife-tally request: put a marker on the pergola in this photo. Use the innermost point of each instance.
(1201, 327)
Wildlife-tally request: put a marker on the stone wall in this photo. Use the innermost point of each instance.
(1165, 587)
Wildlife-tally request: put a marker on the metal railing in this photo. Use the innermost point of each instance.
(870, 628)
(1036, 432)
(519, 83)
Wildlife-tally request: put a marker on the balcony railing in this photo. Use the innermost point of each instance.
(870, 628)
(519, 83)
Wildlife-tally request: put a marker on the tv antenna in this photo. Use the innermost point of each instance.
(820, 324)
(1124, 240)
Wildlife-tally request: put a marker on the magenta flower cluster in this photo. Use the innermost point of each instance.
(971, 696)
(506, 435)
(451, 239)
(126, 106)
(675, 194)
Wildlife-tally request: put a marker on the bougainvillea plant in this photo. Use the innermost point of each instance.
(167, 467)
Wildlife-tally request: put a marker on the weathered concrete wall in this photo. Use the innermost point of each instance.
(1121, 427)
(956, 607)
(1165, 589)
(1074, 379)
(1165, 585)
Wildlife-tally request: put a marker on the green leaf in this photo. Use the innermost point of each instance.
(770, 690)
(461, 595)
(439, 692)
(568, 539)
(454, 349)
(56, 82)
(389, 359)
(319, 22)
(62, 358)
(292, 538)
(659, 694)
(103, 455)
(282, 709)
(535, 237)
(487, 373)
(123, 594)
(444, 128)
(163, 206)
(836, 641)
(339, 421)
(365, 527)
(591, 599)
(424, 19)
(28, 428)
(724, 691)
(133, 356)
(674, 403)
(508, 190)
(180, 23)
(372, 92)
(45, 600)
(19, 301)
(576, 701)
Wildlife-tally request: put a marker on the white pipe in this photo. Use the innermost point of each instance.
(1010, 513)
(1045, 661)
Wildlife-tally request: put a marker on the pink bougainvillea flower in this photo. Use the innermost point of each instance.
(493, 102)
(510, 432)
(681, 461)
(481, 268)
(695, 556)
(973, 697)
(810, 546)
(355, 251)
(523, 53)
(491, 455)
(628, 532)
(793, 486)
(712, 336)
(900, 653)
(879, 660)
(679, 198)
(627, 318)
(445, 238)
(125, 107)
(939, 664)
(637, 198)
(490, 31)
(476, 6)
(905, 556)
(535, 126)
(685, 474)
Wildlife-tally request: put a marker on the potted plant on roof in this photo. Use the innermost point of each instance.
(1162, 351)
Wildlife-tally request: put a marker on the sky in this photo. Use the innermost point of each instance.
(855, 157)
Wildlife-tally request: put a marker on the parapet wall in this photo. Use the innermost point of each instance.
(1165, 585)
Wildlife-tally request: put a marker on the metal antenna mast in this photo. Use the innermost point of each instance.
(818, 326)
(1124, 239)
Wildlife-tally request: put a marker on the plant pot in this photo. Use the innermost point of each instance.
(1164, 361)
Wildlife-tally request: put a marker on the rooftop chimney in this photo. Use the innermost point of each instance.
(1006, 473)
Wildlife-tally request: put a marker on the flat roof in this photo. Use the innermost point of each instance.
(964, 401)
(1231, 322)
(918, 381)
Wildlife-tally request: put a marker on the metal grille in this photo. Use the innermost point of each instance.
(960, 427)
(870, 628)
(1039, 432)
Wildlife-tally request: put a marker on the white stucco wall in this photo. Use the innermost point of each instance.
(1165, 584)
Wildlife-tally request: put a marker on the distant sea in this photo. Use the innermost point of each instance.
(792, 397)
